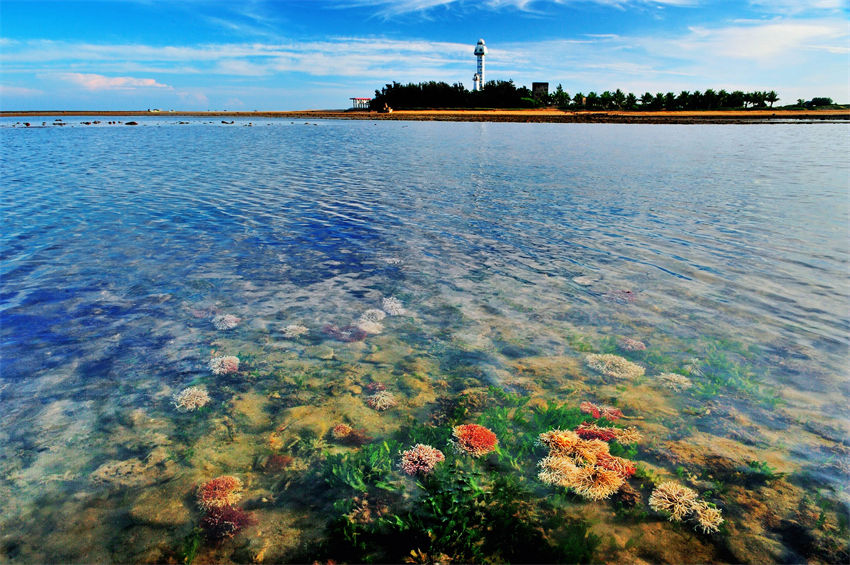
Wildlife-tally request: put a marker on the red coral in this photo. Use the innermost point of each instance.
(278, 462)
(219, 492)
(607, 412)
(592, 431)
(612, 414)
(225, 522)
(622, 467)
(590, 408)
(474, 439)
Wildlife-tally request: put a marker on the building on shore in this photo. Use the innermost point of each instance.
(478, 80)
(360, 103)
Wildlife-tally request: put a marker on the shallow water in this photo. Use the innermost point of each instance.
(516, 249)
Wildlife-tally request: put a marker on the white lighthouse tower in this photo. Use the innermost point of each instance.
(478, 79)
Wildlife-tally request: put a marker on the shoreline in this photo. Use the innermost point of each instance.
(521, 116)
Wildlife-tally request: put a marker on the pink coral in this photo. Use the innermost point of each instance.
(592, 431)
(225, 490)
(225, 522)
(420, 459)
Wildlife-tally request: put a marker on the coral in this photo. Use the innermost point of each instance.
(592, 431)
(219, 492)
(674, 381)
(370, 327)
(629, 344)
(381, 400)
(559, 442)
(341, 431)
(347, 334)
(614, 366)
(373, 315)
(375, 387)
(607, 412)
(225, 522)
(586, 451)
(671, 497)
(596, 483)
(557, 470)
(224, 365)
(392, 306)
(626, 436)
(191, 398)
(226, 321)
(622, 467)
(707, 518)
(474, 439)
(294, 330)
(420, 459)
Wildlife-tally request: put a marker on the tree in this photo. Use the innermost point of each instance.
(646, 100)
(771, 97)
(561, 98)
(592, 100)
(606, 99)
(683, 101)
(631, 101)
(578, 100)
(619, 99)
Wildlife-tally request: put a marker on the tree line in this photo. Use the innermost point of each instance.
(504, 94)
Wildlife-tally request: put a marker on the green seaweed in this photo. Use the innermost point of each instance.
(360, 470)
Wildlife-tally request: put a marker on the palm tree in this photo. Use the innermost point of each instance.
(631, 101)
(619, 98)
(771, 97)
(646, 101)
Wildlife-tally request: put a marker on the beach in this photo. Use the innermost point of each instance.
(542, 115)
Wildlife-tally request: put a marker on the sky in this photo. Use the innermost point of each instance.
(316, 54)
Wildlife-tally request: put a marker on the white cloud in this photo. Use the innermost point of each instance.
(91, 81)
(10, 90)
(389, 8)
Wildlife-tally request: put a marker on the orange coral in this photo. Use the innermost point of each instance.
(596, 483)
(225, 490)
(622, 467)
(559, 441)
(474, 439)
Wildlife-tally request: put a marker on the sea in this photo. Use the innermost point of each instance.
(332, 293)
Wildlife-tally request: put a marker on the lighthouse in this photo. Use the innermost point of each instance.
(478, 78)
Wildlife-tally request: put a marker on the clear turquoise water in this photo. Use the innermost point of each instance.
(119, 244)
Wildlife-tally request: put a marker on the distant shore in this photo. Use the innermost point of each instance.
(529, 115)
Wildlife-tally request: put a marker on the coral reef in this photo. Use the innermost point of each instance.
(674, 499)
(219, 492)
(707, 518)
(374, 387)
(681, 503)
(629, 344)
(596, 483)
(557, 470)
(224, 365)
(381, 400)
(225, 321)
(621, 296)
(225, 522)
(294, 330)
(347, 334)
(607, 412)
(341, 431)
(622, 467)
(626, 436)
(392, 306)
(559, 442)
(592, 431)
(420, 459)
(474, 439)
(674, 381)
(614, 366)
(191, 398)
(628, 496)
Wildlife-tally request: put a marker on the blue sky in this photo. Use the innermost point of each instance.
(299, 54)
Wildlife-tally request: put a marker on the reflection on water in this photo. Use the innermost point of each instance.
(137, 262)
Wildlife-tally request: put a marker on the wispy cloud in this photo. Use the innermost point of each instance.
(389, 8)
(91, 81)
(10, 90)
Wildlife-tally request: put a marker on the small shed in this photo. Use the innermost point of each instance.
(360, 103)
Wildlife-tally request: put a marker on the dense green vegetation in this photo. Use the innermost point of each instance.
(504, 94)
